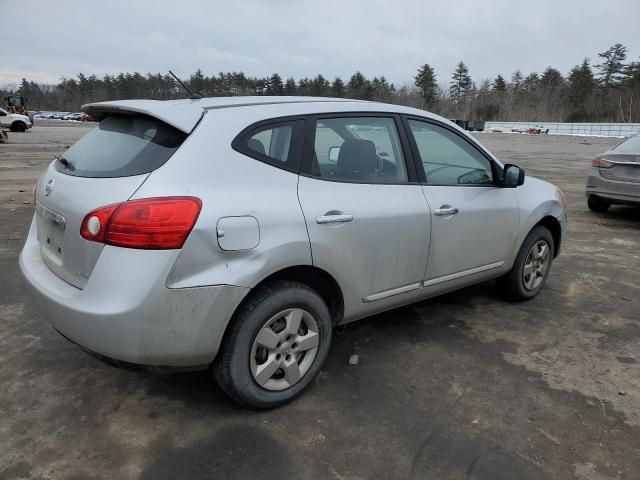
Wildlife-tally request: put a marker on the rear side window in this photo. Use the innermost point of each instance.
(358, 149)
(272, 142)
(278, 143)
(122, 146)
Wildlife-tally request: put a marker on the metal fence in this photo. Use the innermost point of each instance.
(595, 129)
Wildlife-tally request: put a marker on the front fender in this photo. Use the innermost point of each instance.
(537, 200)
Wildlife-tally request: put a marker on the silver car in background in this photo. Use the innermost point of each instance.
(236, 233)
(614, 177)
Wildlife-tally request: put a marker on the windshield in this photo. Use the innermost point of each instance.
(630, 146)
(122, 146)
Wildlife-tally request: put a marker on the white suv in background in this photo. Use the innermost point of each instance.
(14, 121)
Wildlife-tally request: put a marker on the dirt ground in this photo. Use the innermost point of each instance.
(465, 386)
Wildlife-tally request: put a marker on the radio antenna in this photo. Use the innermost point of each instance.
(194, 96)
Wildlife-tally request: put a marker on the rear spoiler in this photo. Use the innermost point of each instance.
(183, 115)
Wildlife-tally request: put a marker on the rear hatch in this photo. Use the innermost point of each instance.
(626, 161)
(104, 167)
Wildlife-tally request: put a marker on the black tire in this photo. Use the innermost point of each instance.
(512, 284)
(232, 365)
(597, 204)
(18, 127)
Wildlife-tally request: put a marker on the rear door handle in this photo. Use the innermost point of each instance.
(445, 211)
(334, 217)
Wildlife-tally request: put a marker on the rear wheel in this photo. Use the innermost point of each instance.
(531, 267)
(18, 127)
(597, 204)
(275, 345)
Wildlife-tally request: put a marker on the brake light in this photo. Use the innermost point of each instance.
(601, 163)
(150, 223)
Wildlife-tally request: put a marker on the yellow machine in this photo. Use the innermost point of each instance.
(17, 104)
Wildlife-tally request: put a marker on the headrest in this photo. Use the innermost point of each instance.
(358, 156)
(256, 145)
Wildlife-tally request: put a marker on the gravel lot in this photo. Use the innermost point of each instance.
(465, 386)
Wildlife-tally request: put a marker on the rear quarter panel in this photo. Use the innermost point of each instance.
(231, 184)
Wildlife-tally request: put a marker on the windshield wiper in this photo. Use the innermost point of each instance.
(65, 163)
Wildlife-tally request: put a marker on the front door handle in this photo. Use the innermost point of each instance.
(445, 211)
(334, 217)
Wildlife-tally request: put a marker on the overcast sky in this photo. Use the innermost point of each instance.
(49, 39)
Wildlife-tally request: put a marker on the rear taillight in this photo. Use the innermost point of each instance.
(150, 223)
(601, 163)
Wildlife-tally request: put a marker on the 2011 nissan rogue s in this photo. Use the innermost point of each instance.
(236, 233)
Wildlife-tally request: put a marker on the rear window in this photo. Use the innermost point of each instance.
(629, 146)
(122, 146)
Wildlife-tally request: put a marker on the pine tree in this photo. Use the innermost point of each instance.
(425, 80)
(581, 86)
(305, 87)
(632, 75)
(260, 86)
(320, 86)
(461, 83)
(357, 86)
(612, 67)
(499, 85)
(196, 82)
(516, 79)
(337, 88)
(551, 78)
(531, 82)
(290, 86)
(275, 85)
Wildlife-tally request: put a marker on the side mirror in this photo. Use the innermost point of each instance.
(334, 152)
(512, 176)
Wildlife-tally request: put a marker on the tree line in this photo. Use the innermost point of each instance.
(606, 92)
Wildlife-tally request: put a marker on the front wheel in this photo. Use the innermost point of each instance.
(18, 127)
(275, 345)
(531, 267)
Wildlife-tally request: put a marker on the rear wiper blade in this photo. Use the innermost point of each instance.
(66, 163)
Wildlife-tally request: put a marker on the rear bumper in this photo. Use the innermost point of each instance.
(126, 313)
(616, 192)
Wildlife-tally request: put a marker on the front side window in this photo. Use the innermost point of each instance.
(448, 159)
(358, 149)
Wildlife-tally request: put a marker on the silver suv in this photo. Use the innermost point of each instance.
(238, 232)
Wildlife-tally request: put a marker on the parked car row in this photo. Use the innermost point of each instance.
(75, 117)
